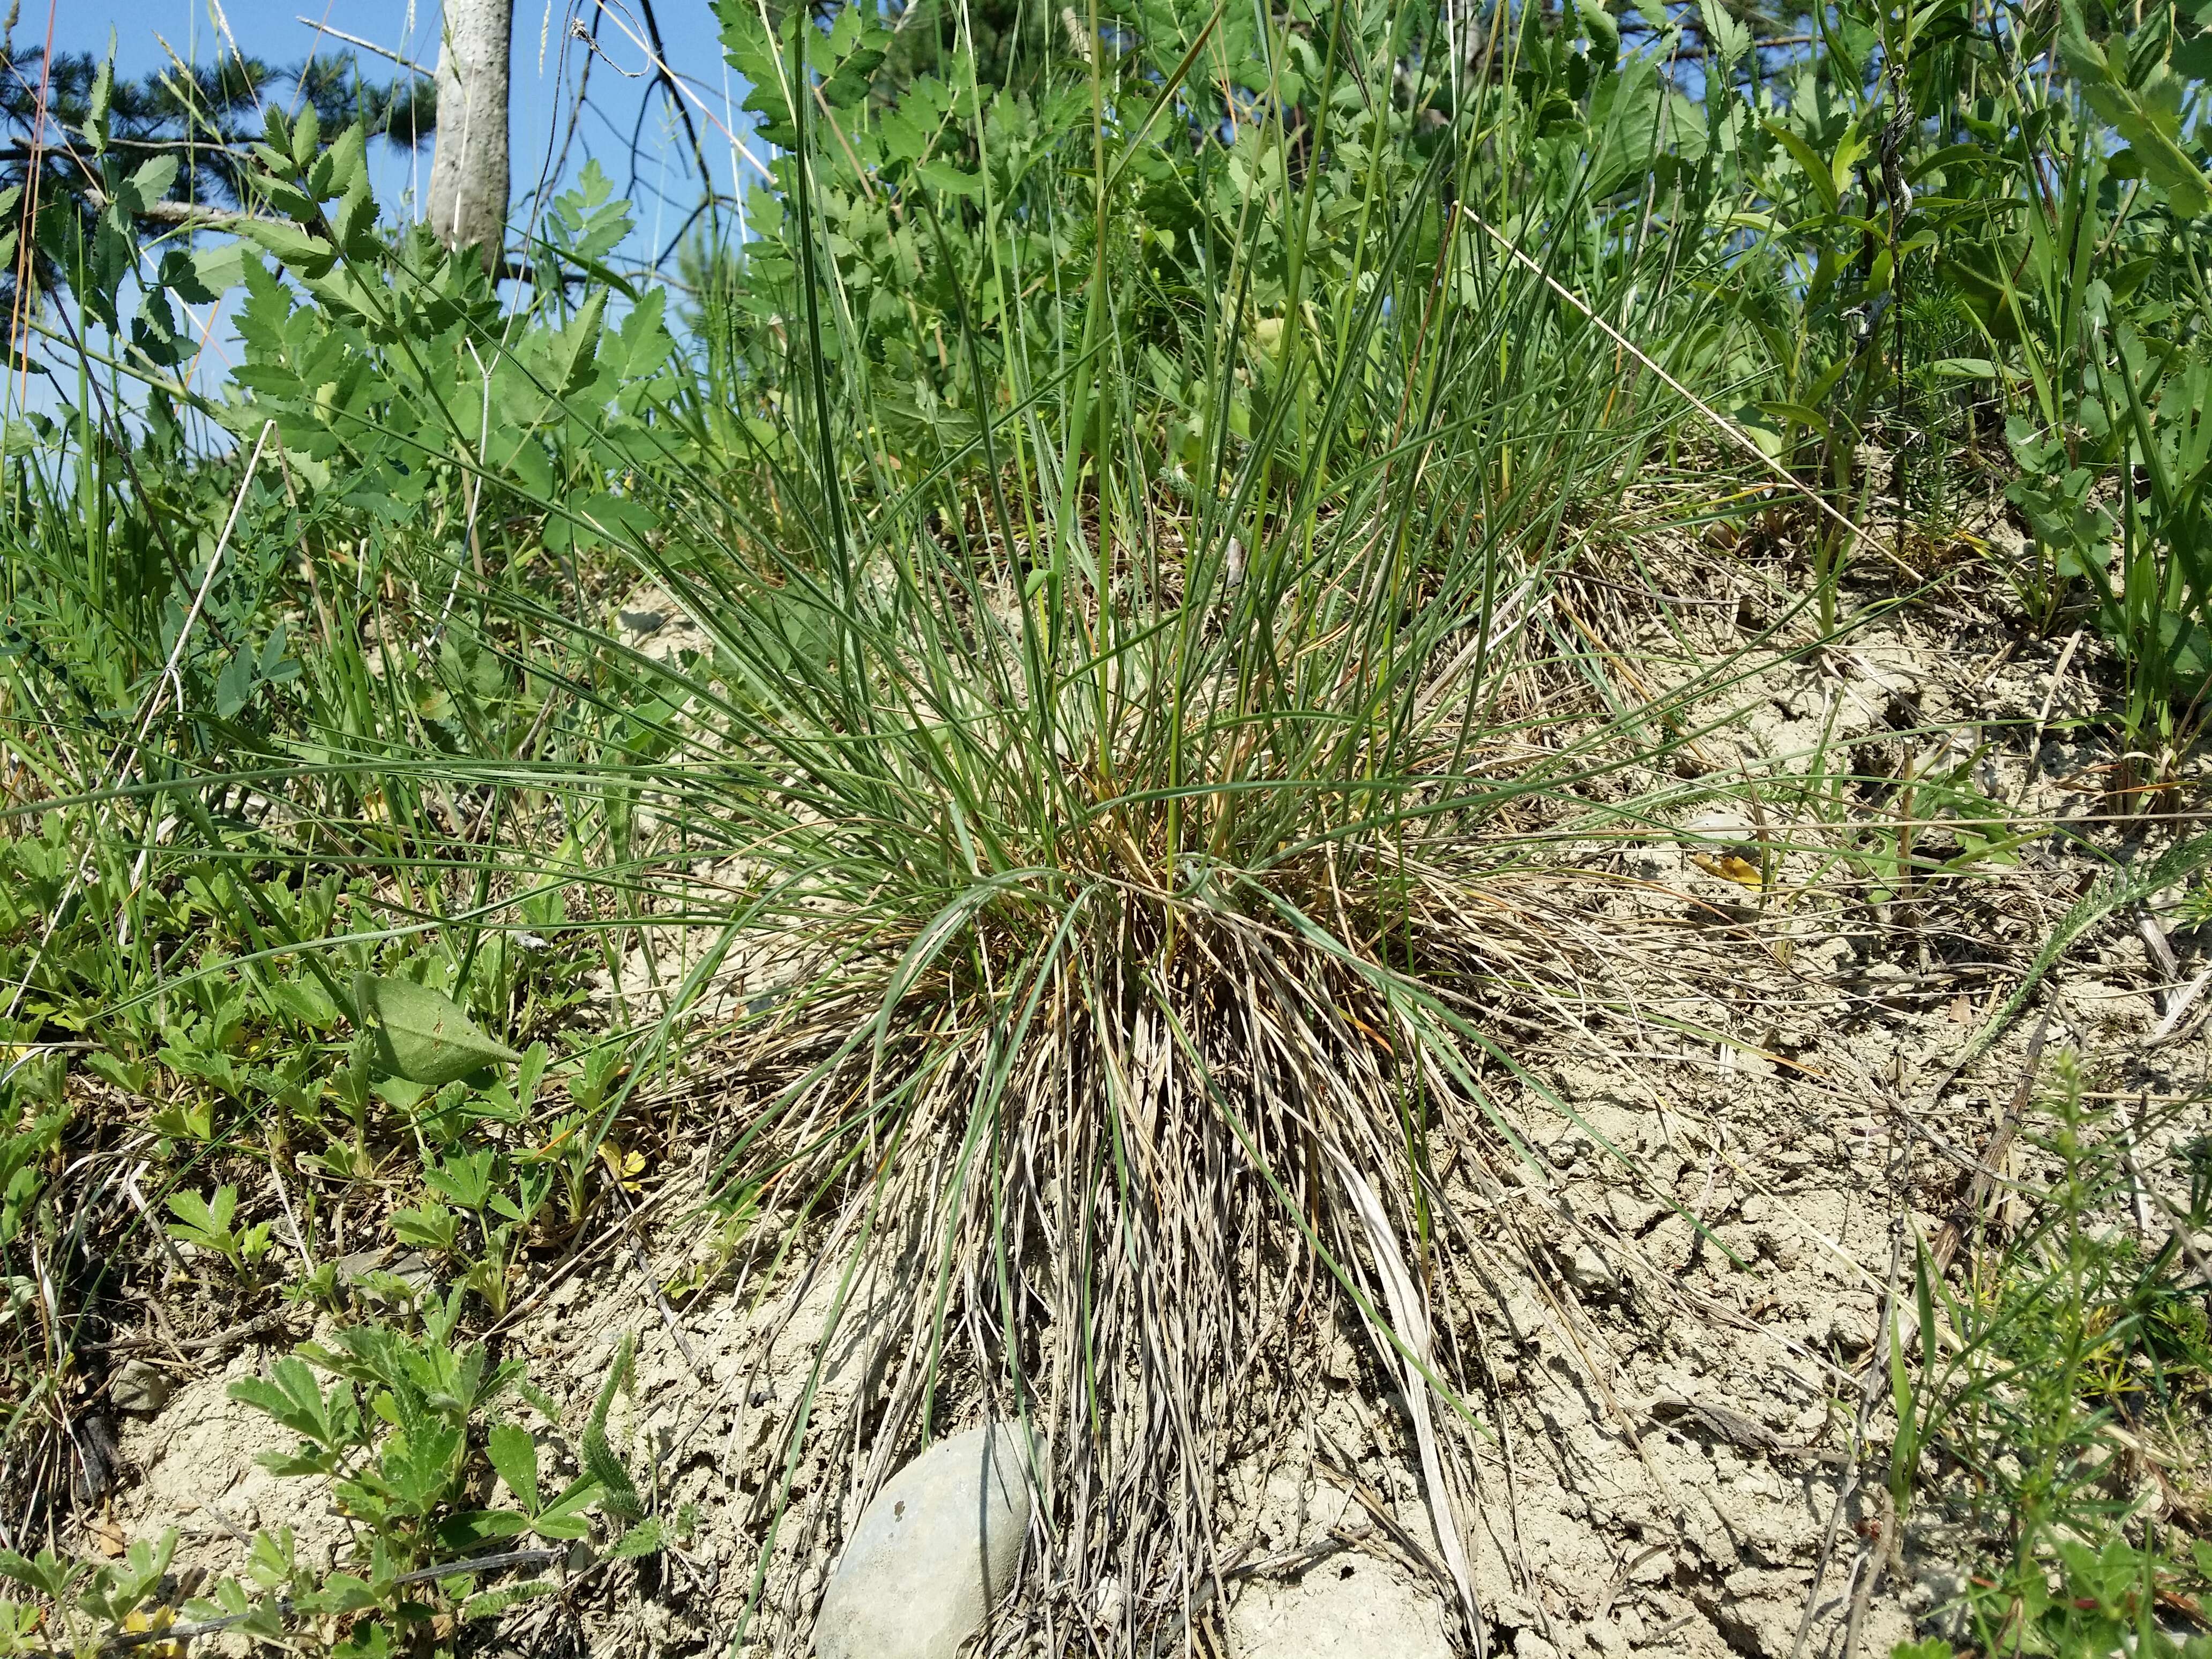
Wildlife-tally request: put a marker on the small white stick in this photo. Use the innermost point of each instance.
(614, 15)
(284, 1197)
(1503, 624)
(1412, 1324)
(2184, 1000)
(366, 45)
(2141, 1206)
(2153, 938)
(2042, 717)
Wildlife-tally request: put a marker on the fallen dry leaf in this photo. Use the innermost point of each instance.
(1730, 867)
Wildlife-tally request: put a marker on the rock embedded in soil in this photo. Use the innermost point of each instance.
(1350, 1608)
(1588, 1272)
(933, 1554)
(138, 1389)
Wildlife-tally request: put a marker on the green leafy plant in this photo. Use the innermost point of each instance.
(92, 1602)
(514, 1455)
(396, 1432)
(643, 1532)
(2079, 1352)
(402, 1429)
(207, 1223)
(1127, 495)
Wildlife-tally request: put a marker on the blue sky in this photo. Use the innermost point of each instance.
(544, 79)
(658, 174)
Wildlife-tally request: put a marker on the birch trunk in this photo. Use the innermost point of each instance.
(468, 172)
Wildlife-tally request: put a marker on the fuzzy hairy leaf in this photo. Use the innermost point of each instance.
(643, 1539)
(619, 1496)
(488, 1604)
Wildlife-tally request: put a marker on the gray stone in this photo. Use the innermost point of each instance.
(933, 1554)
(409, 1268)
(1629, 1214)
(1350, 1606)
(138, 1389)
(1588, 1272)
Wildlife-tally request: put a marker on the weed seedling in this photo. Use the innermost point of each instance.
(206, 1222)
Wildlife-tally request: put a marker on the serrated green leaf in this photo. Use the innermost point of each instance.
(429, 1226)
(1603, 29)
(2148, 116)
(98, 104)
(292, 1396)
(514, 1456)
(467, 1178)
(942, 175)
(293, 248)
(367, 1641)
(220, 268)
(305, 1000)
(341, 1593)
(203, 1221)
(348, 159)
(307, 136)
(575, 351)
(151, 182)
(1728, 36)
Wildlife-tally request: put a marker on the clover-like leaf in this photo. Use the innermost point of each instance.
(205, 1222)
(292, 1397)
(429, 1226)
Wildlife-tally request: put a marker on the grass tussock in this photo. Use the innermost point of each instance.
(1025, 752)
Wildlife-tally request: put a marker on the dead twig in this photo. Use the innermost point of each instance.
(259, 1325)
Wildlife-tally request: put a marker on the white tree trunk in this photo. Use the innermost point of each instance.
(468, 172)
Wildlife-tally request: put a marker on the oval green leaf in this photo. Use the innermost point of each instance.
(422, 1035)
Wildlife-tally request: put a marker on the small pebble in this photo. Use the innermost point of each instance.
(1588, 1272)
(139, 1390)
